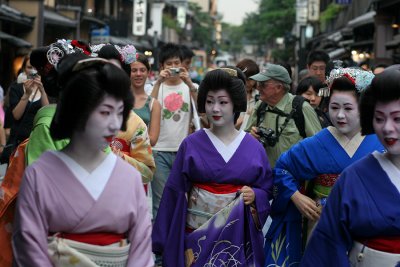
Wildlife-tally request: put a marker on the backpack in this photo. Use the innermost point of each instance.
(296, 114)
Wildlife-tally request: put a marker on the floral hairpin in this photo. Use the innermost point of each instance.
(360, 78)
(128, 53)
(231, 72)
(96, 48)
(54, 54)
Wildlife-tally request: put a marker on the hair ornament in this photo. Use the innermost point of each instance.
(359, 77)
(231, 72)
(95, 49)
(54, 54)
(129, 54)
(81, 47)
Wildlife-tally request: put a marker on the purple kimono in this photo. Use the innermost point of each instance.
(362, 205)
(237, 241)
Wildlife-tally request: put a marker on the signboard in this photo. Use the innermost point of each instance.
(139, 17)
(181, 16)
(100, 36)
(313, 10)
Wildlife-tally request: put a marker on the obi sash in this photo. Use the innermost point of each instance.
(69, 253)
(205, 200)
(385, 244)
(324, 183)
(99, 239)
(365, 256)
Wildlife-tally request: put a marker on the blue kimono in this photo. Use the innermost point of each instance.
(235, 242)
(319, 154)
(362, 205)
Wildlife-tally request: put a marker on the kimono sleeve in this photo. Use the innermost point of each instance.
(29, 241)
(331, 240)
(292, 167)
(140, 231)
(169, 227)
(41, 141)
(140, 154)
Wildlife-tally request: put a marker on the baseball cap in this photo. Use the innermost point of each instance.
(273, 71)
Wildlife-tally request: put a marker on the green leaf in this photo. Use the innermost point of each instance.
(185, 107)
(167, 114)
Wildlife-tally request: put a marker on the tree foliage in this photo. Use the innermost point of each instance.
(273, 19)
(203, 26)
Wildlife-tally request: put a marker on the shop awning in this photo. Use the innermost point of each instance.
(337, 53)
(14, 40)
(54, 18)
(10, 14)
(118, 40)
(336, 36)
(94, 20)
(362, 20)
(393, 43)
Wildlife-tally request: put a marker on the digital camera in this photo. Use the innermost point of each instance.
(267, 137)
(175, 71)
(32, 74)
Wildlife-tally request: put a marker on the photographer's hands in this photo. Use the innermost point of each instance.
(254, 131)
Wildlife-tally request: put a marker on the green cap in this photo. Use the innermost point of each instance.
(273, 71)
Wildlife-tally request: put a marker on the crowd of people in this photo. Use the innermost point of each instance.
(246, 168)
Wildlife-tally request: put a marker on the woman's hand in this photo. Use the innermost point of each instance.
(248, 195)
(29, 86)
(306, 206)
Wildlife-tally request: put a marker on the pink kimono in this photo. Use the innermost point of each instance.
(52, 200)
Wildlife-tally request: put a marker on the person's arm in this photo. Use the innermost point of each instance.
(331, 240)
(155, 120)
(20, 101)
(139, 234)
(185, 77)
(294, 166)
(44, 101)
(30, 229)
(311, 121)
(164, 74)
(2, 137)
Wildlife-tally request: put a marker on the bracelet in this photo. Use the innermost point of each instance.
(193, 89)
(26, 98)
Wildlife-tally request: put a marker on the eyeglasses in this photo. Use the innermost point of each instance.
(89, 62)
(265, 84)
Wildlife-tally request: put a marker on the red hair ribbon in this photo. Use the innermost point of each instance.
(85, 48)
(348, 76)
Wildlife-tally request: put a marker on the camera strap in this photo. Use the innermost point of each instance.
(280, 113)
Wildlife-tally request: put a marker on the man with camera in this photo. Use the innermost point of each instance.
(279, 119)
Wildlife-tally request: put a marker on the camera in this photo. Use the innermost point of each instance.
(267, 137)
(175, 71)
(32, 74)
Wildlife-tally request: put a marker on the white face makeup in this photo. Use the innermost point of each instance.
(386, 123)
(344, 113)
(103, 123)
(219, 108)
